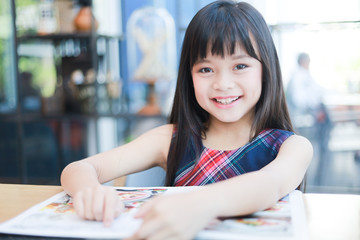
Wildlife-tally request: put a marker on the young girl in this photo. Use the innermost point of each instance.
(229, 130)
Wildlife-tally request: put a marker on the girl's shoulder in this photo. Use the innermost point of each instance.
(157, 137)
(294, 141)
(166, 131)
(299, 140)
(166, 128)
(272, 138)
(282, 135)
(272, 134)
(156, 142)
(277, 131)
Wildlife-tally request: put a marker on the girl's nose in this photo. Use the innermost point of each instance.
(223, 82)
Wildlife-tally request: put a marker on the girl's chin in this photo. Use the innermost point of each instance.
(228, 119)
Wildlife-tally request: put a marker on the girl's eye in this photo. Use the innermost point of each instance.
(240, 66)
(205, 70)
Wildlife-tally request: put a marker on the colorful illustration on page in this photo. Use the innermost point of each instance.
(62, 205)
(275, 221)
(134, 198)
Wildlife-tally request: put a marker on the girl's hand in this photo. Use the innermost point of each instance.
(99, 203)
(178, 216)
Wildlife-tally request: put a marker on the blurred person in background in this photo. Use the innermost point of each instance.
(308, 112)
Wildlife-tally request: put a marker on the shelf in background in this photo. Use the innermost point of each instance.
(61, 36)
(29, 117)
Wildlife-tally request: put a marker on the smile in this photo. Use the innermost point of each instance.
(226, 101)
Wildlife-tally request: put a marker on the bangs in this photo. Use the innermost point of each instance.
(226, 29)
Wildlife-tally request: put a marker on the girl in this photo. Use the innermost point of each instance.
(229, 126)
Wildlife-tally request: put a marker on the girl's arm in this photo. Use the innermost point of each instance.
(262, 189)
(186, 214)
(82, 179)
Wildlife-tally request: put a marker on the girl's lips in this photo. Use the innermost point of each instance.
(225, 100)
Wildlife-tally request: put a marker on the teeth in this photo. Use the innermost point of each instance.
(226, 100)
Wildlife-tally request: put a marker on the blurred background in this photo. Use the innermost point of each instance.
(78, 77)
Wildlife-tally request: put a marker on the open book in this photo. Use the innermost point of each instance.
(56, 217)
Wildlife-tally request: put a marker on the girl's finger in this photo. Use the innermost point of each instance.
(110, 205)
(141, 213)
(79, 205)
(87, 200)
(119, 208)
(156, 227)
(97, 205)
(147, 228)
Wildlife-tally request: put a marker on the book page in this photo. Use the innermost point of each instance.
(56, 217)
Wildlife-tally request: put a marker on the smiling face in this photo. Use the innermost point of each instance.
(228, 87)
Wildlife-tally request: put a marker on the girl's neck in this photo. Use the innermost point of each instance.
(227, 136)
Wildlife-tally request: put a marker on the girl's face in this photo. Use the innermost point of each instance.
(228, 87)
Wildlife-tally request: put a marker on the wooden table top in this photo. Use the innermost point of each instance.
(16, 198)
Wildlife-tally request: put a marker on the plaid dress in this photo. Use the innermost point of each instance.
(217, 165)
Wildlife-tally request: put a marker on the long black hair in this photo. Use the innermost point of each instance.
(222, 26)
